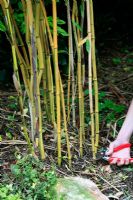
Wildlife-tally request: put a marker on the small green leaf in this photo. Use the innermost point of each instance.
(101, 95)
(61, 31)
(10, 117)
(20, 5)
(116, 61)
(62, 51)
(86, 92)
(9, 135)
(60, 21)
(15, 170)
(77, 25)
(128, 169)
(82, 8)
(2, 27)
(87, 46)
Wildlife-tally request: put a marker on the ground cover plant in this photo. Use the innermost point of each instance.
(28, 180)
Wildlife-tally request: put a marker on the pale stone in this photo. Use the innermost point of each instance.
(77, 188)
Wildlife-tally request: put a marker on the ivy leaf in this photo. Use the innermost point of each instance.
(2, 27)
(15, 170)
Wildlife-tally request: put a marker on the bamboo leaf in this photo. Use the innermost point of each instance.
(87, 46)
(20, 5)
(77, 25)
(59, 21)
(82, 9)
(62, 51)
(61, 31)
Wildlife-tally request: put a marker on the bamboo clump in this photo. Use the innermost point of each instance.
(36, 58)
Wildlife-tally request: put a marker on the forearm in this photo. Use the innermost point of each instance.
(127, 127)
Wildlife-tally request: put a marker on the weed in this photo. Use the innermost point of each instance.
(116, 61)
(109, 110)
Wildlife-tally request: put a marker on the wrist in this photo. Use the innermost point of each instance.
(122, 140)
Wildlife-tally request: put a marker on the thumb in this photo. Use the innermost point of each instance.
(110, 149)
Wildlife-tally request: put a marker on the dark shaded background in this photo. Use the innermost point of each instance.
(113, 24)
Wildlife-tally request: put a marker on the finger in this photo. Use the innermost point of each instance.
(113, 161)
(121, 162)
(127, 161)
(110, 150)
(131, 161)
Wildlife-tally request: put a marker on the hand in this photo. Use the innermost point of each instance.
(123, 154)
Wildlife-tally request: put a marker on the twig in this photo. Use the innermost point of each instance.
(4, 118)
(108, 183)
(12, 142)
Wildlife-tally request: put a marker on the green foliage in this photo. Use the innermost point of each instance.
(77, 25)
(19, 17)
(82, 8)
(30, 181)
(129, 60)
(13, 104)
(6, 193)
(116, 61)
(60, 30)
(109, 110)
(87, 46)
(2, 27)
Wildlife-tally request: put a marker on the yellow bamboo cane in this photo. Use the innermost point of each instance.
(71, 66)
(15, 65)
(49, 78)
(95, 79)
(90, 79)
(57, 79)
(35, 102)
(80, 91)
